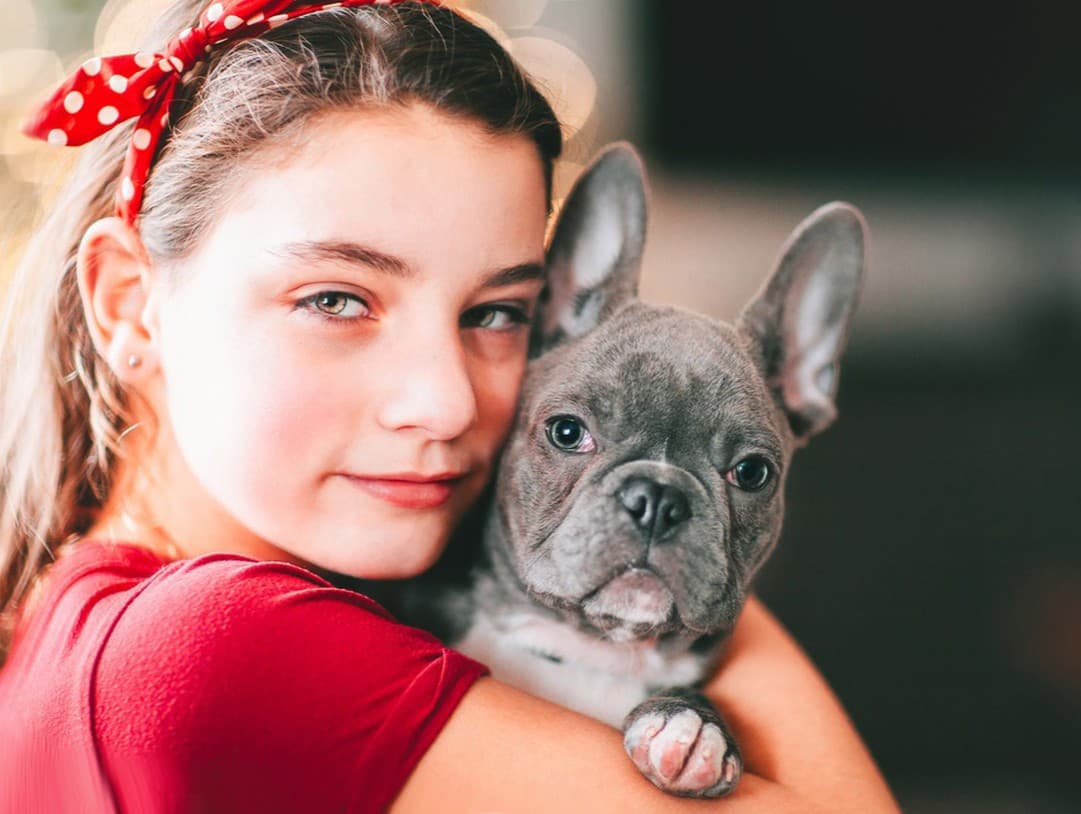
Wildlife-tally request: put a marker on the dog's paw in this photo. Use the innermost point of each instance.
(683, 755)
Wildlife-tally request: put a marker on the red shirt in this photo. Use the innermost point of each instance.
(214, 684)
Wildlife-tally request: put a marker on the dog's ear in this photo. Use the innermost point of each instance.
(595, 254)
(798, 323)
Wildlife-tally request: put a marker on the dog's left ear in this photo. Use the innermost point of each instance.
(595, 254)
(799, 321)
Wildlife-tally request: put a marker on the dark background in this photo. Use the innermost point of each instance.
(931, 561)
(852, 85)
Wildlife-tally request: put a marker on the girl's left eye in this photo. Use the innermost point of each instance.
(496, 317)
(336, 305)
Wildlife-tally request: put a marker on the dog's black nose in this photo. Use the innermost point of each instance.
(656, 508)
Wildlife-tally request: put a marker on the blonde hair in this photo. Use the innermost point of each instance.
(63, 413)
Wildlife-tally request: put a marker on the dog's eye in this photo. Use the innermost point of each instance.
(750, 474)
(567, 433)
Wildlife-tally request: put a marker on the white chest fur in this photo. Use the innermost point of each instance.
(602, 679)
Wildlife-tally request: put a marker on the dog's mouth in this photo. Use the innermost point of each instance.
(635, 604)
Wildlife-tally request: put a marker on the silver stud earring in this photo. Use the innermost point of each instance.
(134, 360)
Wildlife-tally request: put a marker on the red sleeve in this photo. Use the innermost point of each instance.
(230, 685)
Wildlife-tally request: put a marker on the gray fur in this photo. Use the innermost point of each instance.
(609, 575)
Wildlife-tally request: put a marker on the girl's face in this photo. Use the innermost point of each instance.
(340, 360)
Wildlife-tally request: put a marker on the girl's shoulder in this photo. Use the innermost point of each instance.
(234, 673)
(227, 587)
(199, 604)
(225, 614)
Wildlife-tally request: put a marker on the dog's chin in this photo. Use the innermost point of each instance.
(635, 605)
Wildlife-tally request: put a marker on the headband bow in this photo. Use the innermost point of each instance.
(106, 91)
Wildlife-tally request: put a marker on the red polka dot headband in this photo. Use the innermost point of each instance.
(105, 91)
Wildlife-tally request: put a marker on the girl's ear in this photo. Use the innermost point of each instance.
(115, 277)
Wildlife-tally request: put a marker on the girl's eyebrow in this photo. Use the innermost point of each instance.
(523, 272)
(339, 251)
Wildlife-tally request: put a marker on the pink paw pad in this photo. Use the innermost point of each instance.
(682, 755)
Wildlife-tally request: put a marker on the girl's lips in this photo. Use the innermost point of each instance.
(408, 494)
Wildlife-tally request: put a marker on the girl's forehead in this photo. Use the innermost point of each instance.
(398, 164)
(411, 182)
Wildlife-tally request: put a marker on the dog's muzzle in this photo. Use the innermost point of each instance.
(636, 600)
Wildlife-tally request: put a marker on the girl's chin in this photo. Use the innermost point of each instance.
(391, 556)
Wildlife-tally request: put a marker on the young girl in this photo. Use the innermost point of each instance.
(275, 327)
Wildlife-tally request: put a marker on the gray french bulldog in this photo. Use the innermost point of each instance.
(642, 484)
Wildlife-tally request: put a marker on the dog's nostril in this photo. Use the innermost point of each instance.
(675, 510)
(637, 506)
(656, 509)
(639, 497)
(672, 510)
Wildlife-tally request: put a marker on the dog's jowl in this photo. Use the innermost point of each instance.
(642, 484)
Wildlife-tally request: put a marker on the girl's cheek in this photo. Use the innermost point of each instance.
(302, 398)
(274, 395)
(499, 394)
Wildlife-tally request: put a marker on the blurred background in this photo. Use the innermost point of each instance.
(931, 561)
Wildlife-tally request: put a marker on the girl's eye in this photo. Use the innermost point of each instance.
(751, 474)
(337, 305)
(496, 317)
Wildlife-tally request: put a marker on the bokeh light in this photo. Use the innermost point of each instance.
(562, 75)
(22, 27)
(512, 14)
(123, 24)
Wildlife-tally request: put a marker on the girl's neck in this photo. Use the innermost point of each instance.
(122, 526)
(156, 502)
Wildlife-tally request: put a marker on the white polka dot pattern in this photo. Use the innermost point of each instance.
(141, 138)
(105, 91)
(73, 102)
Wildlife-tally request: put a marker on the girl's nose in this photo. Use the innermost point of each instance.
(428, 387)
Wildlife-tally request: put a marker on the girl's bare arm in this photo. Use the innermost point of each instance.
(506, 751)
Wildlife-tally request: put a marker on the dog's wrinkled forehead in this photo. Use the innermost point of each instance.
(661, 375)
(671, 371)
